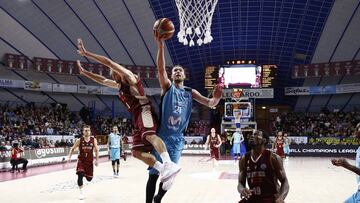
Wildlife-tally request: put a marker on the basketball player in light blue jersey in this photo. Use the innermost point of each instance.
(114, 145)
(355, 198)
(175, 112)
(238, 139)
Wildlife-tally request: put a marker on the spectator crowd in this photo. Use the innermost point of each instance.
(324, 124)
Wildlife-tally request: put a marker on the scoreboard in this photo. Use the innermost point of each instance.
(268, 76)
(269, 73)
(211, 76)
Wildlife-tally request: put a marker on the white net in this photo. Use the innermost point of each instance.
(195, 21)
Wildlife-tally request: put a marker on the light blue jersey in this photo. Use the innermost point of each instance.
(238, 137)
(114, 140)
(175, 114)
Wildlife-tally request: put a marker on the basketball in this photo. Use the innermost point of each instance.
(164, 28)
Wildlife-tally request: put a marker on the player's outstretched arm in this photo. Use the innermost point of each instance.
(164, 81)
(344, 163)
(96, 77)
(117, 68)
(210, 102)
(281, 176)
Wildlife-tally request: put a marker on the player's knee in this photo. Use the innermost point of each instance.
(152, 138)
(80, 179)
(136, 154)
(113, 163)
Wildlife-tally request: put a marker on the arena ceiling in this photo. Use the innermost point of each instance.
(282, 32)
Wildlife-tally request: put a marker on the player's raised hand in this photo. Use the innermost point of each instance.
(158, 39)
(81, 49)
(81, 69)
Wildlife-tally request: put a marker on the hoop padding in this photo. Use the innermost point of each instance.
(195, 21)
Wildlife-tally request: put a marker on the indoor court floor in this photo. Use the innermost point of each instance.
(312, 180)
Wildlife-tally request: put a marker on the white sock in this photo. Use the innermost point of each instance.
(158, 166)
(165, 157)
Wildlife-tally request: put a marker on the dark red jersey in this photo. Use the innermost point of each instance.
(86, 150)
(213, 141)
(133, 97)
(261, 177)
(280, 148)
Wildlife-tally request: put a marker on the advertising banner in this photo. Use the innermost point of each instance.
(109, 91)
(11, 83)
(65, 88)
(38, 86)
(293, 91)
(323, 150)
(331, 89)
(250, 93)
(320, 90)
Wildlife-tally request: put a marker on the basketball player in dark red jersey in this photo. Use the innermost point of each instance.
(279, 145)
(214, 140)
(262, 170)
(131, 94)
(87, 145)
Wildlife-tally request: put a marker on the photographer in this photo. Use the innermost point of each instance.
(16, 157)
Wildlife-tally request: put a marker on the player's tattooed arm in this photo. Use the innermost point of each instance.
(210, 102)
(117, 68)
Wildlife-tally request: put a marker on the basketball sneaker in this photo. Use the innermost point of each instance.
(167, 184)
(81, 195)
(170, 169)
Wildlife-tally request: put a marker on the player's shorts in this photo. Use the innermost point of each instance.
(280, 152)
(236, 148)
(114, 154)
(174, 144)
(214, 153)
(355, 198)
(287, 150)
(87, 168)
(145, 125)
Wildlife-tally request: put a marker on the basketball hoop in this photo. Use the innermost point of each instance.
(195, 21)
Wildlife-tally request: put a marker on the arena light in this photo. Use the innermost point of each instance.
(263, 107)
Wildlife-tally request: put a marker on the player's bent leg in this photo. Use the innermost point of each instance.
(157, 143)
(145, 157)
